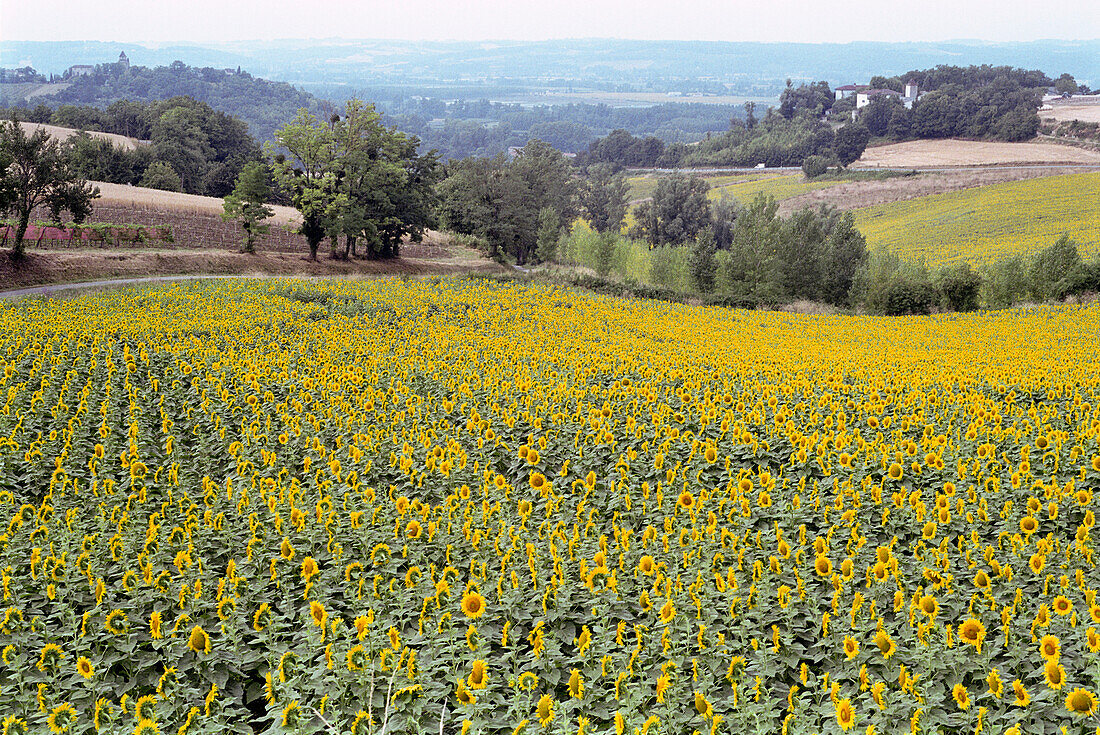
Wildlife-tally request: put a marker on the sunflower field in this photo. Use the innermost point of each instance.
(465, 507)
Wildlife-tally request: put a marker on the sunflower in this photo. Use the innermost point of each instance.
(962, 697)
(851, 647)
(361, 724)
(996, 686)
(576, 684)
(702, 706)
(1023, 699)
(1062, 605)
(877, 690)
(84, 667)
(198, 641)
(845, 716)
(413, 530)
(1054, 674)
(479, 677)
(262, 617)
(527, 681)
(1036, 562)
(12, 725)
(473, 604)
(317, 613)
(291, 714)
(929, 605)
(285, 549)
(823, 566)
(668, 611)
(287, 664)
(145, 708)
(981, 580)
(1029, 525)
(156, 623)
(357, 658)
(972, 631)
(647, 565)
(61, 718)
(686, 500)
(50, 657)
(885, 644)
(1049, 647)
(1081, 702)
(545, 710)
(464, 695)
(1092, 637)
(116, 622)
(895, 471)
(146, 727)
(309, 569)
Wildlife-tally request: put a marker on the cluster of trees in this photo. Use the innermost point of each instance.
(191, 147)
(888, 285)
(620, 148)
(515, 207)
(262, 104)
(34, 174)
(992, 102)
(351, 176)
(481, 128)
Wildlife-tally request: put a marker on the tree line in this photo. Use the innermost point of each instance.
(262, 104)
(189, 146)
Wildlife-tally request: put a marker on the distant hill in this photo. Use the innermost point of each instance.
(263, 104)
(505, 70)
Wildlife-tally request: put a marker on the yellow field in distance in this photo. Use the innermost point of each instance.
(984, 224)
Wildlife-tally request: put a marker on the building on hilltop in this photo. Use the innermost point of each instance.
(80, 70)
(847, 90)
(124, 60)
(865, 95)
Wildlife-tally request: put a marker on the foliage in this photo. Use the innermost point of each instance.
(500, 200)
(959, 287)
(546, 244)
(851, 141)
(34, 173)
(678, 212)
(161, 175)
(622, 149)
(774, 141)
(815, 166)
(701, 264)
(205, 148)
(103, 96)
(247, 204)
(459, 505)
(352, 176)
(603, 196)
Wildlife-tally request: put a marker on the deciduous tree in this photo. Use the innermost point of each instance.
(37, 174)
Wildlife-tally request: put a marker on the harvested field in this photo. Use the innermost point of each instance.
(59, 133)
(857, 194)
(139, 198)
(435, 256)
(946, 153)
(1083, 111)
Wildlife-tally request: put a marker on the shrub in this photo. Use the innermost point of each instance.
(815, 166)
(959, 287)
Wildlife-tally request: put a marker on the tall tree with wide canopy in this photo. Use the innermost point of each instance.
(35, 173)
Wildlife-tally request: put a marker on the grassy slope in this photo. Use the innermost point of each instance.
(979, 225)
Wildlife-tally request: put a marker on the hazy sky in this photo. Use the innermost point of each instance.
(719, 20)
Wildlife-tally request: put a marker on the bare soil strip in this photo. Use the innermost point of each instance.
(939, 153)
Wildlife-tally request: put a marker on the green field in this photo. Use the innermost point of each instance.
(982, 224)
(742, 187)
